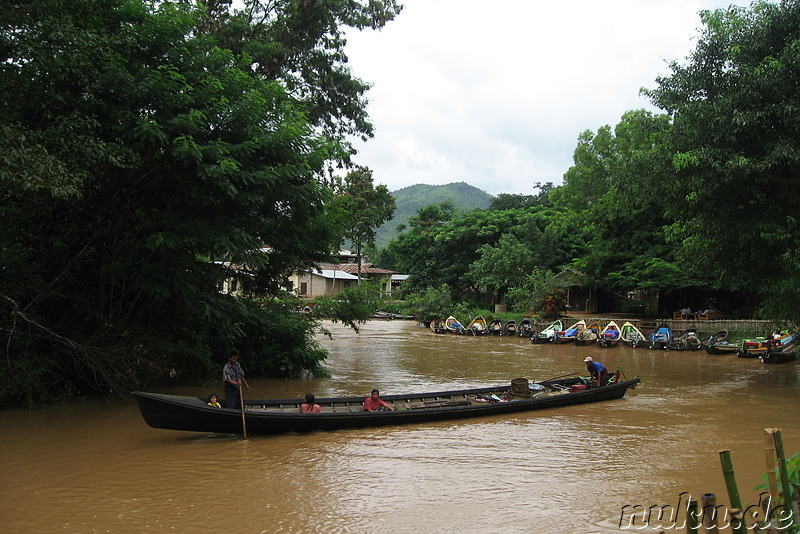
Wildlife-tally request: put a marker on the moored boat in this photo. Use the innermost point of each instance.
(276, 416)
(437, 326)
(752, 347)
(569, 335)
(496, 327)
(689, 339)
(782, 350)
(609, 336)
(525, 328)
(453, 325)
(717, 337)
(589, 334)
(661, 337)
(510, 328)
(630, 335)
(548, 333)
(477, 326)
(726, 346)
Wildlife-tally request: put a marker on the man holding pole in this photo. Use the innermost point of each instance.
(233, 378)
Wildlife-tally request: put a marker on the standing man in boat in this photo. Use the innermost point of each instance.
(233, 378)
(598, 372)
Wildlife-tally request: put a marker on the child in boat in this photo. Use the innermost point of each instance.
(309, 406)
(213, 401)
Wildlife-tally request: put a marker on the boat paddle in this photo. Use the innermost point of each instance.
(244, 425)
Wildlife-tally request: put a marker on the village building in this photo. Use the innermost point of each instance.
(329, 279)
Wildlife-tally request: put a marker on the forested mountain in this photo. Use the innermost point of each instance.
(410, 199)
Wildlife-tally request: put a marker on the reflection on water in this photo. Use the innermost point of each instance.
(96, 467)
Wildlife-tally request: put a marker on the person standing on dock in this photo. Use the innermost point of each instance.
(598, 372)
(233, 378)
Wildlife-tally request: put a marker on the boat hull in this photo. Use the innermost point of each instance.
(718, 350)
(780, 357)
(277, 416)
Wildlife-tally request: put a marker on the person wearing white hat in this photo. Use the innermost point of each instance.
(598, 371)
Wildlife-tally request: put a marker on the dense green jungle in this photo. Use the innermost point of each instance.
(151, 152)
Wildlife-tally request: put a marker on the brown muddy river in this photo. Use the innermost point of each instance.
(97, 467)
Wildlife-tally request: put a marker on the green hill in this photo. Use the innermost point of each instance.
(414, 197)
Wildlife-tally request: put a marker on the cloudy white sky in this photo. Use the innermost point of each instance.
(495, 94)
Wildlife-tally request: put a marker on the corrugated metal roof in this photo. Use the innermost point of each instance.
(337, 274)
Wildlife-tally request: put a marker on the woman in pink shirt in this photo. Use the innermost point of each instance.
(374, 404)
(309, 406)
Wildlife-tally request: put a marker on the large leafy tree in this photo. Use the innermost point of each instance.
(735, 150)
(502, 266)
(151, 150)
(360, 208)
(608, 185)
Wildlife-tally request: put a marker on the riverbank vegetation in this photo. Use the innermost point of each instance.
(154, 151)
(704, 195)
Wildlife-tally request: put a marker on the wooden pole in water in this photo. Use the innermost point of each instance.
(244, 424)
(692, 523)
(709, 504)
(737, 526)
(786, 487)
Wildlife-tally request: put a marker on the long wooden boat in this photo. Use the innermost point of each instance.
(569, 335)
(589, 334)
(548, 333)
(477, 326)
(609, 336)
(276, 416)
(630, 335)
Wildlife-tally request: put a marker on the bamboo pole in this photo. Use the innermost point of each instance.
(709, 504)
(769, 451)
(738, 526)
(786, 487)
(692, 513)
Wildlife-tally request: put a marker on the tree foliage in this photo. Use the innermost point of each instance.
(735, 152)
(500, 267)
(353, 306)
(150, 151)
(430, 304)
(359, 207)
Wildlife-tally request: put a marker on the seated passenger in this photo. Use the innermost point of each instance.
(309, 406)
(375, 404)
